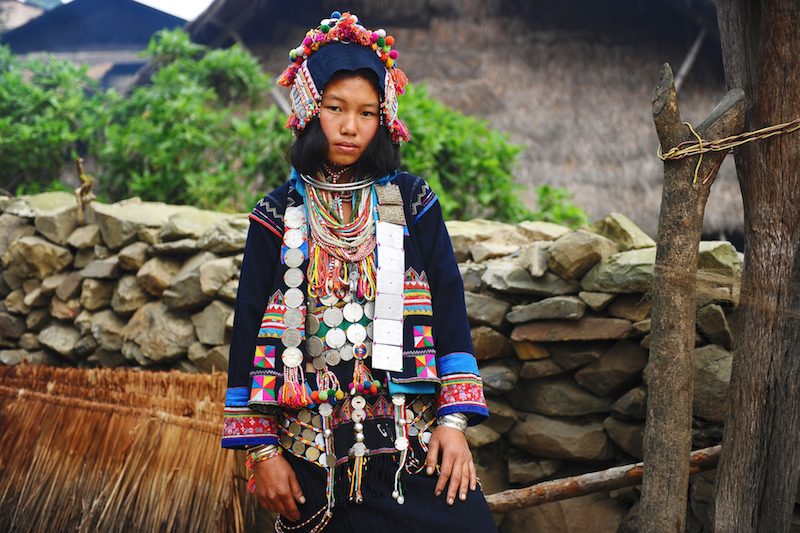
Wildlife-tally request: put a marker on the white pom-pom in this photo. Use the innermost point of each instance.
(354, 17)
(325, 22)
(300, 50)
(381, 33)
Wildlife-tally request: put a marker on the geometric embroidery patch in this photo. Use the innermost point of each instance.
(265, 357)
(263, 389)
(426, 365)
(423, 336)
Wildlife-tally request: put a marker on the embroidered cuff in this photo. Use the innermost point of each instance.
(463, 393)
(244, 427)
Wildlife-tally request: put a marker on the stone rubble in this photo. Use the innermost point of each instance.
(560, 323)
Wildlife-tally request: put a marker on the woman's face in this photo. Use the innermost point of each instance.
(349, 116)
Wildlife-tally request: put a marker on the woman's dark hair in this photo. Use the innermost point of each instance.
(310, 149)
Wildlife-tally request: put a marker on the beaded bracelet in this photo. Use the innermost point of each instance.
(455, 420)
(264, 452)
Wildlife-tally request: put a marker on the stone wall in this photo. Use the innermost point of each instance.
(560, 323)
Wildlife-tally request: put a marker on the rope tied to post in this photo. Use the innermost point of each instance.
(700, 146)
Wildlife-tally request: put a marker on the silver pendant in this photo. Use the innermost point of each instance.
(399, 399)
(312, 324)
(329, 300)
(388, 234)
(292, 357)
(386, 357)
(325, 409)
(294, 277)
(293, 298)
(356, 333)
(353, 312)
(392, 259)
(389, 283)
(333, 317)
(333, 357)
(294, 217)
(335, 338)
(389, 306)
(294, 238)
(369, 309)
(293, 318)
(291, 338)
(293, 257)
(319, 362)
(358, 402)
(314, 346)
(347, 353)
(359, 449)
(401, 443)
(358, 415)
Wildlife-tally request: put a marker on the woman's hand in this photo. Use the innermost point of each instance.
(456, 465)
(277, 487)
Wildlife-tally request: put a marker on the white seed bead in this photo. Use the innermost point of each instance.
(395, 494)
(401, 500)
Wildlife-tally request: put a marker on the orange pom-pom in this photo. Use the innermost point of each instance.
(389, 40)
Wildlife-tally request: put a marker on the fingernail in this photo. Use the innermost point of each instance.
(449, 501)
(429, 470)
(463, 496)
(438, 493)
(302, 499)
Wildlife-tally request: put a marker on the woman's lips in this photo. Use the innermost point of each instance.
(346, 147)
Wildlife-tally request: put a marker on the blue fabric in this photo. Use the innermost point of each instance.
(457, 362)
(333, 57)
(420, 387)
(237, 397)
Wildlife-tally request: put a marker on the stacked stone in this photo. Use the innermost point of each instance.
(140, 284)
(560, 322)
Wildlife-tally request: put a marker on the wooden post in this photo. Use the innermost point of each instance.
(667, 437)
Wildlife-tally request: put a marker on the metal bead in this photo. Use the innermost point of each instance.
(402, 422)
(359, 437)
(401, 500)
(358, 426)
(327, 433)
(395, 494)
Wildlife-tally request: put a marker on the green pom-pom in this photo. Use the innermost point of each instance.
(323, 396)
(325, 28)
(386, 49)
(293, 54)
(381, 42)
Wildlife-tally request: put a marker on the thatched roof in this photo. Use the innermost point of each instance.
(571, 80)
(14, 14)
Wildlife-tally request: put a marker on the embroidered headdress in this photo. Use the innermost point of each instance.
(342, 43)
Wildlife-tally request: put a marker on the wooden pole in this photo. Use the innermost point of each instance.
(571, 487)
(667, 437)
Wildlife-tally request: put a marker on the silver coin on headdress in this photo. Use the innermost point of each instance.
(312, 454)
(329, 300)
(325, 409)
(294, 217)
(332, 317)
(312, 324)
(293, 238)
(319, 362)
(333, 357)
(293, 277)
(358, 402)
(399, 399)
(356, 333)
(293, 257)
(347, 352)
(401, 443)
(291, 337)
(298, 448)
(358, 415)
(293, 298)
(304, 416)
(330, 460)
(293, 318)
(319, 440)
(335, 338)
(314, 346)
(369, 309)
(292, 357)
(353, 312)
(359, 449)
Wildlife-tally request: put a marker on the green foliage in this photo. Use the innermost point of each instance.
(468, 163)
(554, 205)
(197, 134)
(50, 112)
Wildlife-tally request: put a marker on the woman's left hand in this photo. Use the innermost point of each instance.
(457, 466)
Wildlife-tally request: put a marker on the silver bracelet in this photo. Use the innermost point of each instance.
(455, 420)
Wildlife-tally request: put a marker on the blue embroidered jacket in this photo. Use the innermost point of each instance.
(437, 353)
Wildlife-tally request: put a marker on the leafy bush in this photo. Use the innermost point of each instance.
(468, 163)
(52, 117)
(553, 205)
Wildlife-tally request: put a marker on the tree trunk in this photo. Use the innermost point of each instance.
(760, 465)
(667, 437)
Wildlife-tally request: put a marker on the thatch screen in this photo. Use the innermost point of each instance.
(117, 450)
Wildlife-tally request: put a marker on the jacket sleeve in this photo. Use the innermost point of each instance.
(461, 389)
(244, 426)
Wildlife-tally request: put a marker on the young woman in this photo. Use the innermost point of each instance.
(352, 377)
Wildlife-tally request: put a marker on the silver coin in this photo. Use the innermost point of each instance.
(291, 338)
(399, 399)
(335, 338)
(293, 257)
(371, 330)
(412, 431)
(293, 298)
(358, 402)
(312, 454)
(329, 300)
(369, 309)
(330, 460)
(359, 449)
(304, 416)
(314, 346)
(410, 415)
(347, 352)
(319, 362)
(356, 333)
(294, 217)
(401, 443)
(293, 238)
(298, 448)
(309, 434)
(293, 318)
(294, 277)
(312, 324)
(325, 409)
(319, 440)
(316, 421)
(353, 312)
(292, 357)
(333, 357)
(358, 415)
(348, 297)
(332, 317)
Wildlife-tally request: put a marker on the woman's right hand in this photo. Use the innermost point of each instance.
(277, 487)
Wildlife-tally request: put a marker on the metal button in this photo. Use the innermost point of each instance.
(292, 357)
(353, 312)
(359, 449)
(294, 277)
(309, 434)
(335, 338)
(298, 448)
(293, 238)
(325, 409)
(293, 257)
(399, 399)
(358, 402)
(291, 337)
(358, 415)
(332, 317)
(401, 443)
(294, 217)
(312, 454)
(293, 318)
(356, 333)
(293, 298)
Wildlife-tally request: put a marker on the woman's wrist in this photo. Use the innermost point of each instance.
(264, 452)
(457, 421)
